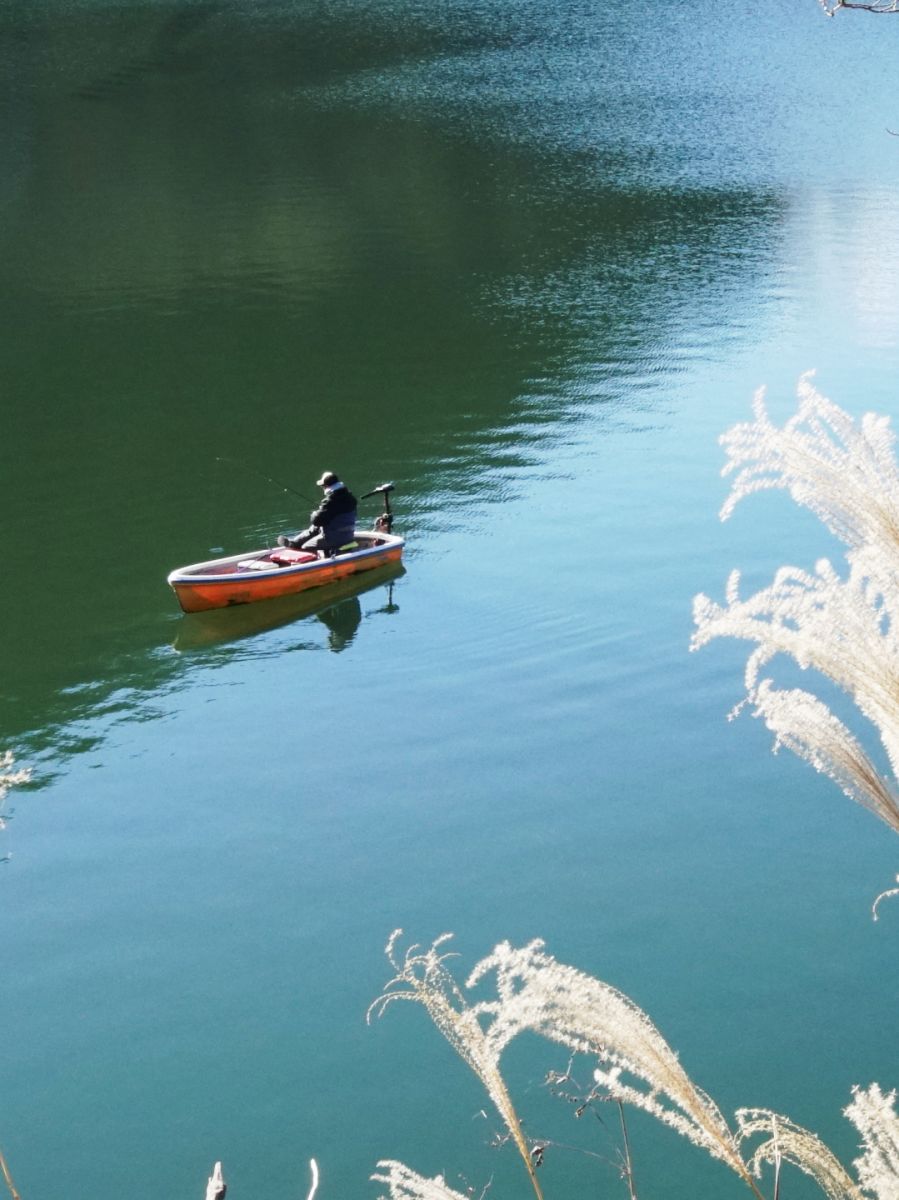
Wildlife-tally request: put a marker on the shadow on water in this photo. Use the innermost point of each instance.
(337, 606)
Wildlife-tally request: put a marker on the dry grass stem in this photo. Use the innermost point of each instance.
(628, 1161)
(6, 1175)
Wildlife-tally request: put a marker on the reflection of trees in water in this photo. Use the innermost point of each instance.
(213, 247)
(169, 52)
(235, 153)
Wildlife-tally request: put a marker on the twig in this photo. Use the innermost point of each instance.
(486, 1188)
(832, 7)
(884, 896)
(628, 1162)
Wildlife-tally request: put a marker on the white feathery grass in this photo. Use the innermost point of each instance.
(585, 1015)
(787, 1142)
(566, 1006)
(844, 473)
(874, 1115)
(405, 1184)
(422, 976)
(805, 725)
(845, 628)
(535, 993)
(841, 628)
(10, 778)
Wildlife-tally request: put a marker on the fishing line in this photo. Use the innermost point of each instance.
(253, 470)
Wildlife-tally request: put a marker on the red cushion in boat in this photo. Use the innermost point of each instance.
(290, 558)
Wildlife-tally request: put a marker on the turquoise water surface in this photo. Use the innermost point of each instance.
(528, 261)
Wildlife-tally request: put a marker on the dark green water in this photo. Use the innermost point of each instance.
(528, 260)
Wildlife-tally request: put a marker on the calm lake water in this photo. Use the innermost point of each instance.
(528, 260)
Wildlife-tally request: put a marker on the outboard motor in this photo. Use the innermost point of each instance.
(384, 523)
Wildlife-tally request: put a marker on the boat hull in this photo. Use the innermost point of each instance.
(248, 578)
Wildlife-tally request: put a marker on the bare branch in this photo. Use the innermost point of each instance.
(886, 895)
(313, 1167)
(831, 7)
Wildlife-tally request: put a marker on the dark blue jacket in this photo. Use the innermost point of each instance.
(336, 517)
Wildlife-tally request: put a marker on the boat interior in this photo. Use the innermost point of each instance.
(284, 556)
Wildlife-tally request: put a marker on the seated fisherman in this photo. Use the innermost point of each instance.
(333, 523)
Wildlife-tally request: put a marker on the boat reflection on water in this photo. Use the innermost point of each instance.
(336, 605)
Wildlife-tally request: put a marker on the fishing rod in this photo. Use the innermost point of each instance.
(384, 522)
(276, 482)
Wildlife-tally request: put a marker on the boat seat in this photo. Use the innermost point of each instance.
(291, 558)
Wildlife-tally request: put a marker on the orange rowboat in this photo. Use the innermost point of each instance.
(265, 574)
